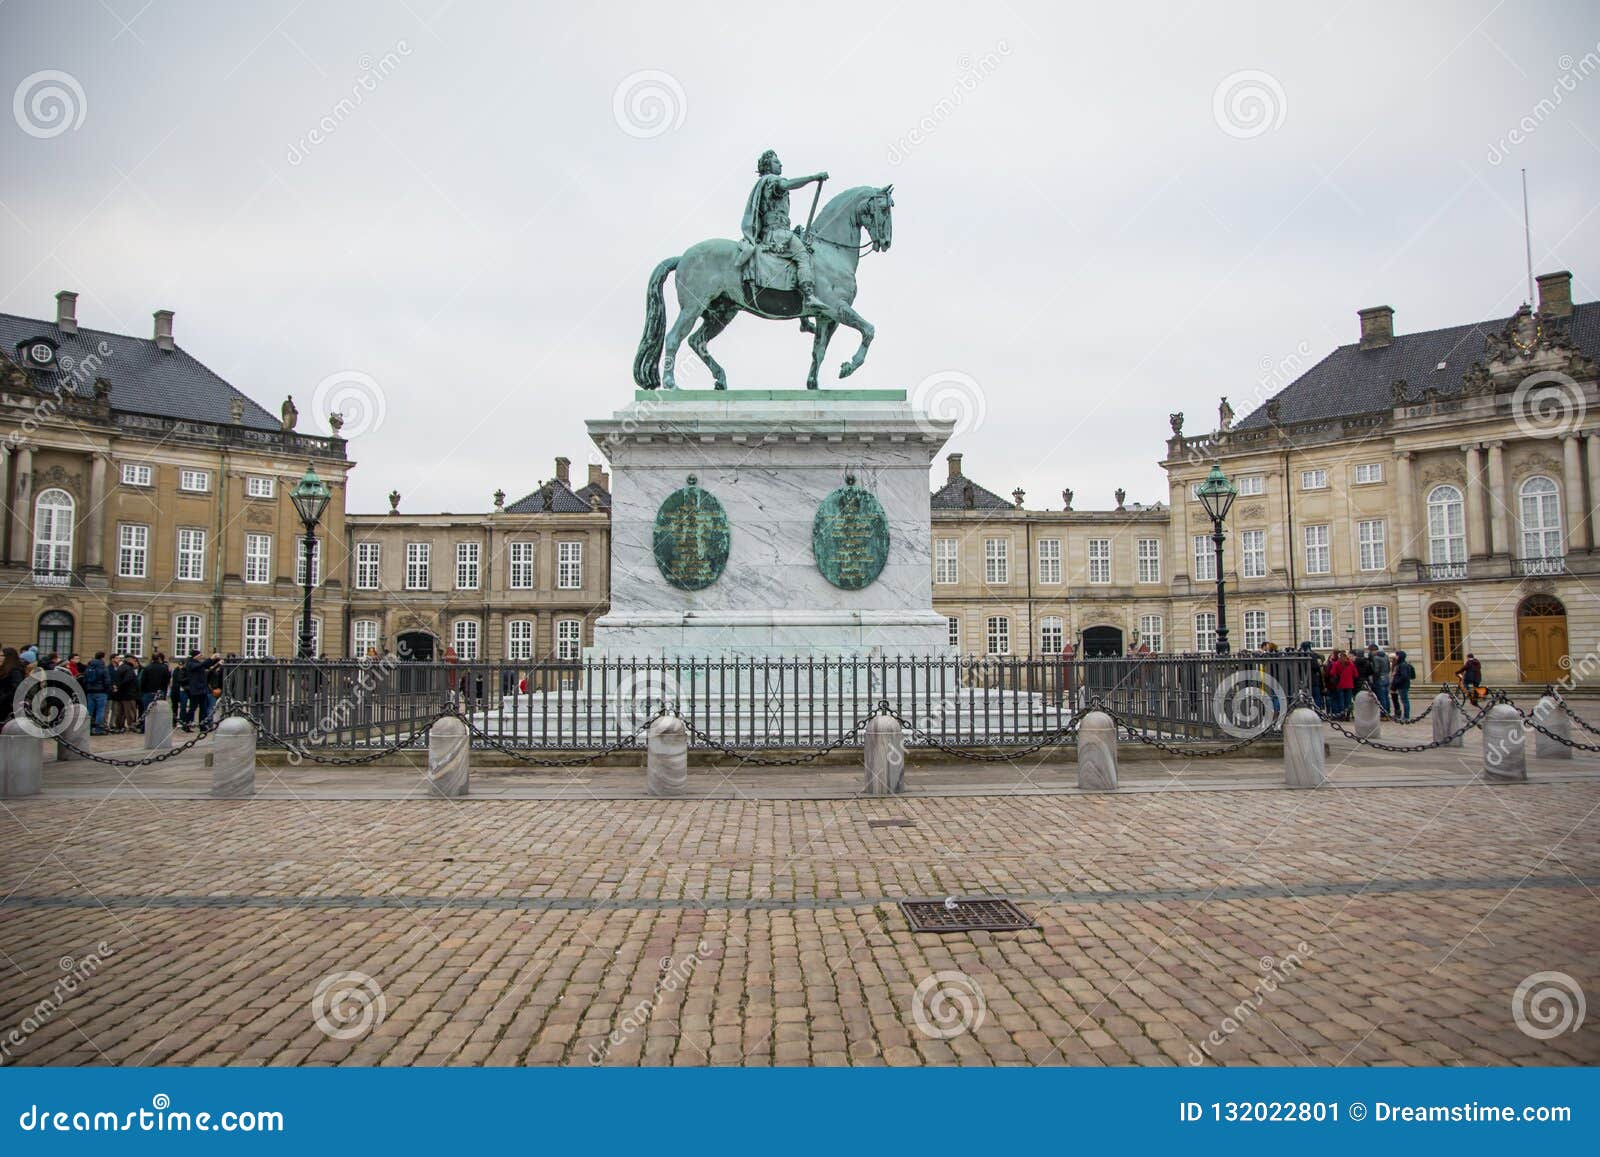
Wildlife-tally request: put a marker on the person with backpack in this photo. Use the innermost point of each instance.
(1378, 661)
(1400, 679)
(1471, 677)
(96, 680)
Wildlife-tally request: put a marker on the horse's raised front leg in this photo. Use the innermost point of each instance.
(680, 330)
(819, 349)
(862, 326)
(713, 323)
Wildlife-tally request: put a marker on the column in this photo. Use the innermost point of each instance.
(1474, 496)
(1592, 447)
(94, 544)
(21, 507)
(1572, 495)
(1497, 498)
(1405, 506)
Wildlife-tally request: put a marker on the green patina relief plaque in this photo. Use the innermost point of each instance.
(691, 538)
(850, 537)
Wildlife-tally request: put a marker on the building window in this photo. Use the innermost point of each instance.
(191, 554)
(569, 566)
(1150, 632)
(128, 637)
(1250, 484)
(257, 636)
(1319, 558)
(185, 634)
(258, 558)
(1447, 526)
(52, 533)
(194, 481)
(316, 635)
(1050, 561)
(519, 639)
(1099, 560)
(1149, 560)
(1255, 630)
(136, 474)
(368, 556)
(569, 640)
(1319, 626)
(467, 554)
(996, 561)
(466, 638)
(1369, 535)
(363, 637)
(1313, 480)
(946, 564)
(1205, 632)
(1375, 625)
(999, 635)
(257, 486)
(1367, 472)
(417, 566)
(1051, 635)
(954, 625)
(1252, 554)
(300, 562)
(1205, 559)
(133, 551)
(1541, 518)
(521, 573)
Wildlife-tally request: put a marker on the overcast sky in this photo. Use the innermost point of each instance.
(1103, 213)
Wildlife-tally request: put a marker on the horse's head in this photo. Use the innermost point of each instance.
(876, 216)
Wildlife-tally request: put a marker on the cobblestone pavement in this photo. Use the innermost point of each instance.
(1354, 926)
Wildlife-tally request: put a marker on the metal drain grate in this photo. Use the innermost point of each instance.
(972, 914)
(901, 822)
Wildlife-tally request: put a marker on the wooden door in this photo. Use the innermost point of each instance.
(1446, 634)
(1542, 639)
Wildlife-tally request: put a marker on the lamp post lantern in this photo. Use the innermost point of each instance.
(310, 497)
(1216, 494)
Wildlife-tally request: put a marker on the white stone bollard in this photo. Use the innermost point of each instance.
(74, 729)
(1304, 756)
(1446, 719)
(1097, 752)
(883, 750)
(21, 759)
(158, 725)
(666, 757)
(233, 759)
(449, 758)
(1504, 754)
(1367, 716)
(1548, 714)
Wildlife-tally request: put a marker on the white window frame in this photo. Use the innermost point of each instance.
(465, 635)
(1205, 559)
(363, 637)
(1447, 525)
(1252, 484)
(419, 569)
(1049, 561)
(300, 563)
(1149, 552)
(520, 563)
(569, 565)
(260, 486)
(519, 640)
(1152, 632)
(1539, 518)
(369, 563)
(138, 474)
(256, 636)
(1052, 635)
(569, 640)
(469, 557)
(997, 562)
(1375, 624)
(1314, 479)
(1252, 554)
(1099, 554)
(55, 523)
(316, 635)
(182, 640)
(133, 550)
(1319, 548)
(997, 635)
(953, 626)
(127, 636)
(1205, 632)
(191, 550)
(257, 558)
(1256, 628)
(1319, 628)
(192, 481)
(1368, 473)
(1372, 552)
(946, 561)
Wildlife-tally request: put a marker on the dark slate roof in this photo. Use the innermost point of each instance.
(595, 488)
(145, 379)
(952, 496)
(563, 500)
(1352, 380)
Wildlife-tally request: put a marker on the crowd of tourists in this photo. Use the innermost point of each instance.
(118, 690)
(1387, 674)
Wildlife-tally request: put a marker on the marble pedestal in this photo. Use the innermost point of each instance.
(770, 457)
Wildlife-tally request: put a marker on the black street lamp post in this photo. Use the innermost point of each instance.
(310, 497)
(1216, 495)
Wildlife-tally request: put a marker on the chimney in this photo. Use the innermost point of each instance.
(163, 332)
(67, 311)
(1377, 326)
(1555, 293)
(564, 471)
(597, 477)
(955, 465)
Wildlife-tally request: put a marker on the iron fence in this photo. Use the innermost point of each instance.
(765, 702)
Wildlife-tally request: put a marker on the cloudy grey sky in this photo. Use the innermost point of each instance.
(1103, 213)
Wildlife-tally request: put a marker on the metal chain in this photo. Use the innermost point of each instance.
(790, 761)
(1173, 748)
(1589, 727)
(1377, 745)
(298, 748)
(158, 757)
(1527, 717)
(517, 754)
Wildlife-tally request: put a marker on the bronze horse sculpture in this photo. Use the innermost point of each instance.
(712, 290)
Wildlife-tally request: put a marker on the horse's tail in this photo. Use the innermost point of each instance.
(647, 361)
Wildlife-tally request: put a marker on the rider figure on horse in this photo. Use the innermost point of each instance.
(766, 222)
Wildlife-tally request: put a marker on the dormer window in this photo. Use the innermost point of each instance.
(37, 353)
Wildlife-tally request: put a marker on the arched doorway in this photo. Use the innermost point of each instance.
(55, 634)
(416, 646)
(1446, 641)
(1541, 639)
(1102, 643)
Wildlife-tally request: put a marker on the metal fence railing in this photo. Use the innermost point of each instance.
(762, 702)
